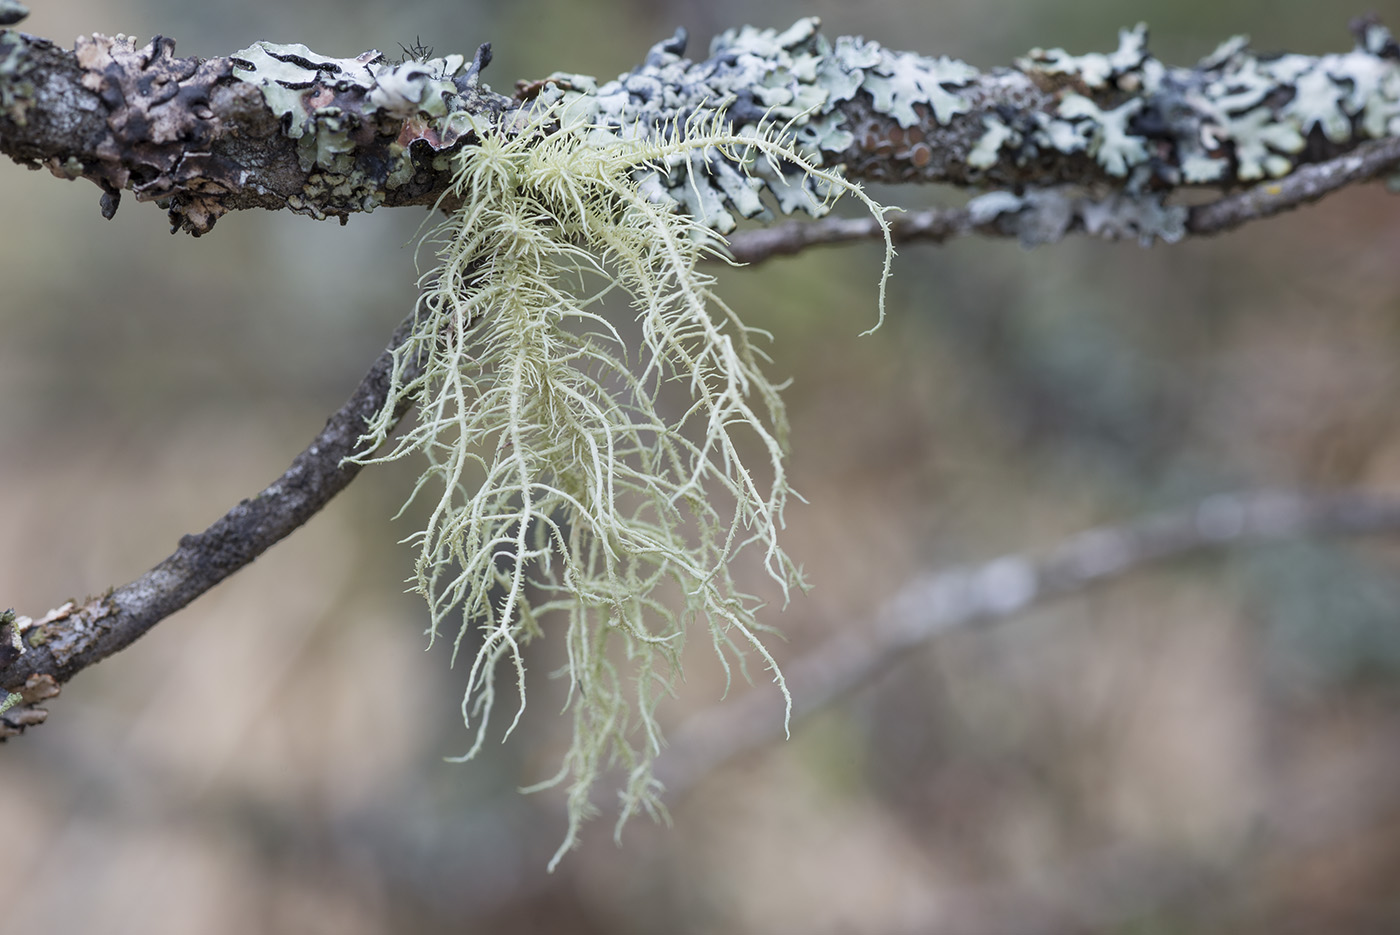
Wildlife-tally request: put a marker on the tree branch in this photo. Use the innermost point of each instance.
(280, 126)
(1308, 184)
(934, 225)
(277, 126)
(935, 603)
(77, 635)
(1026, 219)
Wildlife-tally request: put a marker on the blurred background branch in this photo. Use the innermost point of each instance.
(936, 602)
(71, 638)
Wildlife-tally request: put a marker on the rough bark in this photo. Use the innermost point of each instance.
(278, 126)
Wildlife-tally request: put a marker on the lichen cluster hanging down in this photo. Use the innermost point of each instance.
(566, 496)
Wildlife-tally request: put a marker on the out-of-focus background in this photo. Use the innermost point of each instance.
(1211, 747)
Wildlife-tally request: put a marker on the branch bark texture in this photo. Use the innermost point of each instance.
(277, 126)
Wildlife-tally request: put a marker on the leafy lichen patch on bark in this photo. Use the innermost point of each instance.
(1045, 215)
(759, 78)
(184, 131)
(16, 88)
(327, 136)
(1340, 97)
(356, 120)
(158, 112)
(1236, 115)
(1096, 70)
(895, 115)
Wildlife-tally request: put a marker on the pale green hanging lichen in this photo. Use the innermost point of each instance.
(566, 495)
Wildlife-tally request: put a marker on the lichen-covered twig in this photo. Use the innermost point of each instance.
(1051, 214)
(934, 225)
(940, 601)
(79, 634)
(282, 126)
(1306, 185)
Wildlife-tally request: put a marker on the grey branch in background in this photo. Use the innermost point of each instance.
(945, 600)
(75, 636)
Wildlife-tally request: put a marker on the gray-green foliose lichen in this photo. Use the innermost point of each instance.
(791, 81)
(760, 78)
(16, 89)
(1045, 215)
(1235, 116)
(330, 106)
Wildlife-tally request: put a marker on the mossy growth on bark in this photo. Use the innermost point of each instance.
(569, 500)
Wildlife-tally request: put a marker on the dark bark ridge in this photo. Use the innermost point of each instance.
(276, 126)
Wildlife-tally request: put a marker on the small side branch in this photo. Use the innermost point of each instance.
(1026, 219)
(935, 603)
(932, 226)
(77, 635)
(1306, 185)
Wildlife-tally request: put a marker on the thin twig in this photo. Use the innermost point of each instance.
(70, 639)
(945, 600)
(1307, 184)
(934, 225)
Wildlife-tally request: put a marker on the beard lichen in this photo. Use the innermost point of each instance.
(566, 492)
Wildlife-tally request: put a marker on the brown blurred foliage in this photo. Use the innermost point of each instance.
(1211, 748)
